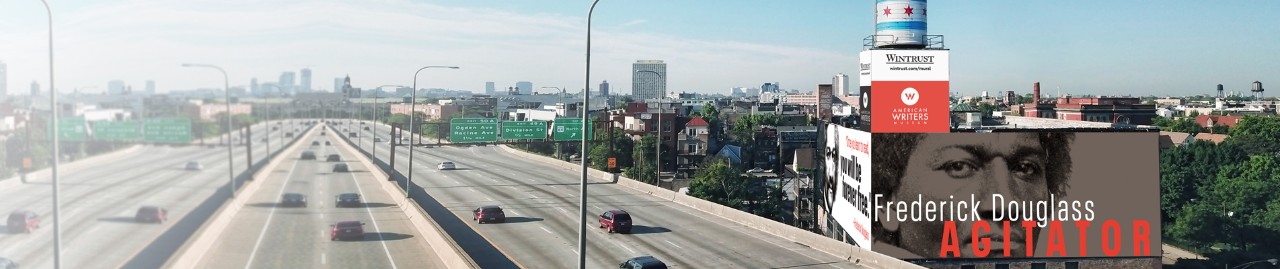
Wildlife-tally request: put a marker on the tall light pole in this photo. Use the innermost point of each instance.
(226, 91)
(586, 103)
(413, 109)
(53, 110)
(657, 147)
(376, 95)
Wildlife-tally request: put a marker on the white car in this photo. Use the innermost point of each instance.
(193, 165)
(447, 166)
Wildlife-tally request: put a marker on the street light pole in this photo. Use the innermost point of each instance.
(657, 147)
(586, 104)
(376, 95)
(226, 91)
(413, 128)
(53, 109)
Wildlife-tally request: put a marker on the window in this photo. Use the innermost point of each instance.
(1002, 266)
(967, 266)
(1038, 265)
(1073, 265)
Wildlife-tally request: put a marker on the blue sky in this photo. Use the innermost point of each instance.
(1080, 47)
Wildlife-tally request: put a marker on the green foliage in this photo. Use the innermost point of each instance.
(643, 165)
(1185, 125)
(710, 113)
(622, 149)
(717, 182)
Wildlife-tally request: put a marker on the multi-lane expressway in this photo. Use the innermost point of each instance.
(266, 234)
(100, 195)
(541, 203)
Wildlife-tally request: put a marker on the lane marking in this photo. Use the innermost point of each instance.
(673, 244)
(323, 260)
(545, 229)
(376, 228)
(266, 226)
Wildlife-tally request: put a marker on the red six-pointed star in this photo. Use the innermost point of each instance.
(886, 11)
(909, 9)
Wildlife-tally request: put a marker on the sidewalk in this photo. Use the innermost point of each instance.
(1171, 254)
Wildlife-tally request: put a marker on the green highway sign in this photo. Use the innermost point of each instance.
(72, 129)
(473, 130)
(115, 130)
(524, 130)
(167, 130)
(567, 129)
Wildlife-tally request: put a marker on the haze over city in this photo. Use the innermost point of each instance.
(1090, 47)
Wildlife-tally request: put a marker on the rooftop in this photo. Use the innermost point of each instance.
(1020, 122)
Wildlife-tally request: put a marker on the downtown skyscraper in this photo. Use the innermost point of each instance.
(645, 84)
(306, 80)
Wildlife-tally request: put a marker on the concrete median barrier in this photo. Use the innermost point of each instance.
(816, 241)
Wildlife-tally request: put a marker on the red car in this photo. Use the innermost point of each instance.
(347, 229)
(151, 214)
(616, 221)
(23, 221)
(489, 213)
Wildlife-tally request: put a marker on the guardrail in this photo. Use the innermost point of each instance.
(815, 241)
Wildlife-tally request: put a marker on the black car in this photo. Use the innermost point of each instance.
(489, 213)
(326, 143)
(293, 200)
(334, 158)
(643, 262)
(315, 143)
(308, 155)
(341, 167)
(347, 200)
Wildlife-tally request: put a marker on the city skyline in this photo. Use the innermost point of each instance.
(715, 46)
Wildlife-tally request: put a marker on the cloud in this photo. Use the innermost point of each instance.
(382, 42)
(634, 23)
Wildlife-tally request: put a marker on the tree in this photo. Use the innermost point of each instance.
(710, 112)
(622, 149)
(717, 182)
(642, 168)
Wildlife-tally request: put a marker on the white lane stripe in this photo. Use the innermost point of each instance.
(323, 259)
(545, 229)
(673, 244)
(263, 233)
(376, 228)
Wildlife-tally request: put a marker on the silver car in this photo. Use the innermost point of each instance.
(194, 165)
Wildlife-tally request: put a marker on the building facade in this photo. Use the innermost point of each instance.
(489, 88)
(432, 111)
(604, 88)
(211, 111)
(525, 87)
(840, 85)
(306, 80)
(644, 83)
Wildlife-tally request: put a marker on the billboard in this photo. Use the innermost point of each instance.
(850, 167)
(912, 89)
(1015, 194)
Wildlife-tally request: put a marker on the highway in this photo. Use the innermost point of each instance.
(100, 195)
(266, 235)
(541, 204)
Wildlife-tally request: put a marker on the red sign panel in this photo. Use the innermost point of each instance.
(910, 107)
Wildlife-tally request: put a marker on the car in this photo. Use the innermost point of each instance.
(489, 213)
(273, 128)
(447, 166)
(341, 167)
(350, 229)
(378, 139)
(617, 220)
(315, 143)
(308, 155)
(333, 158)
(321, 133)
(194, 165)
(326, 143)
(643, 262)
(293, 200)
(756, 170)
(8, 264)
(23, 221)
(347, 200)
(151, 214)
(366, 128)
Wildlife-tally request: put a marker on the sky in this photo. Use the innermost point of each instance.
(1163, 48)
